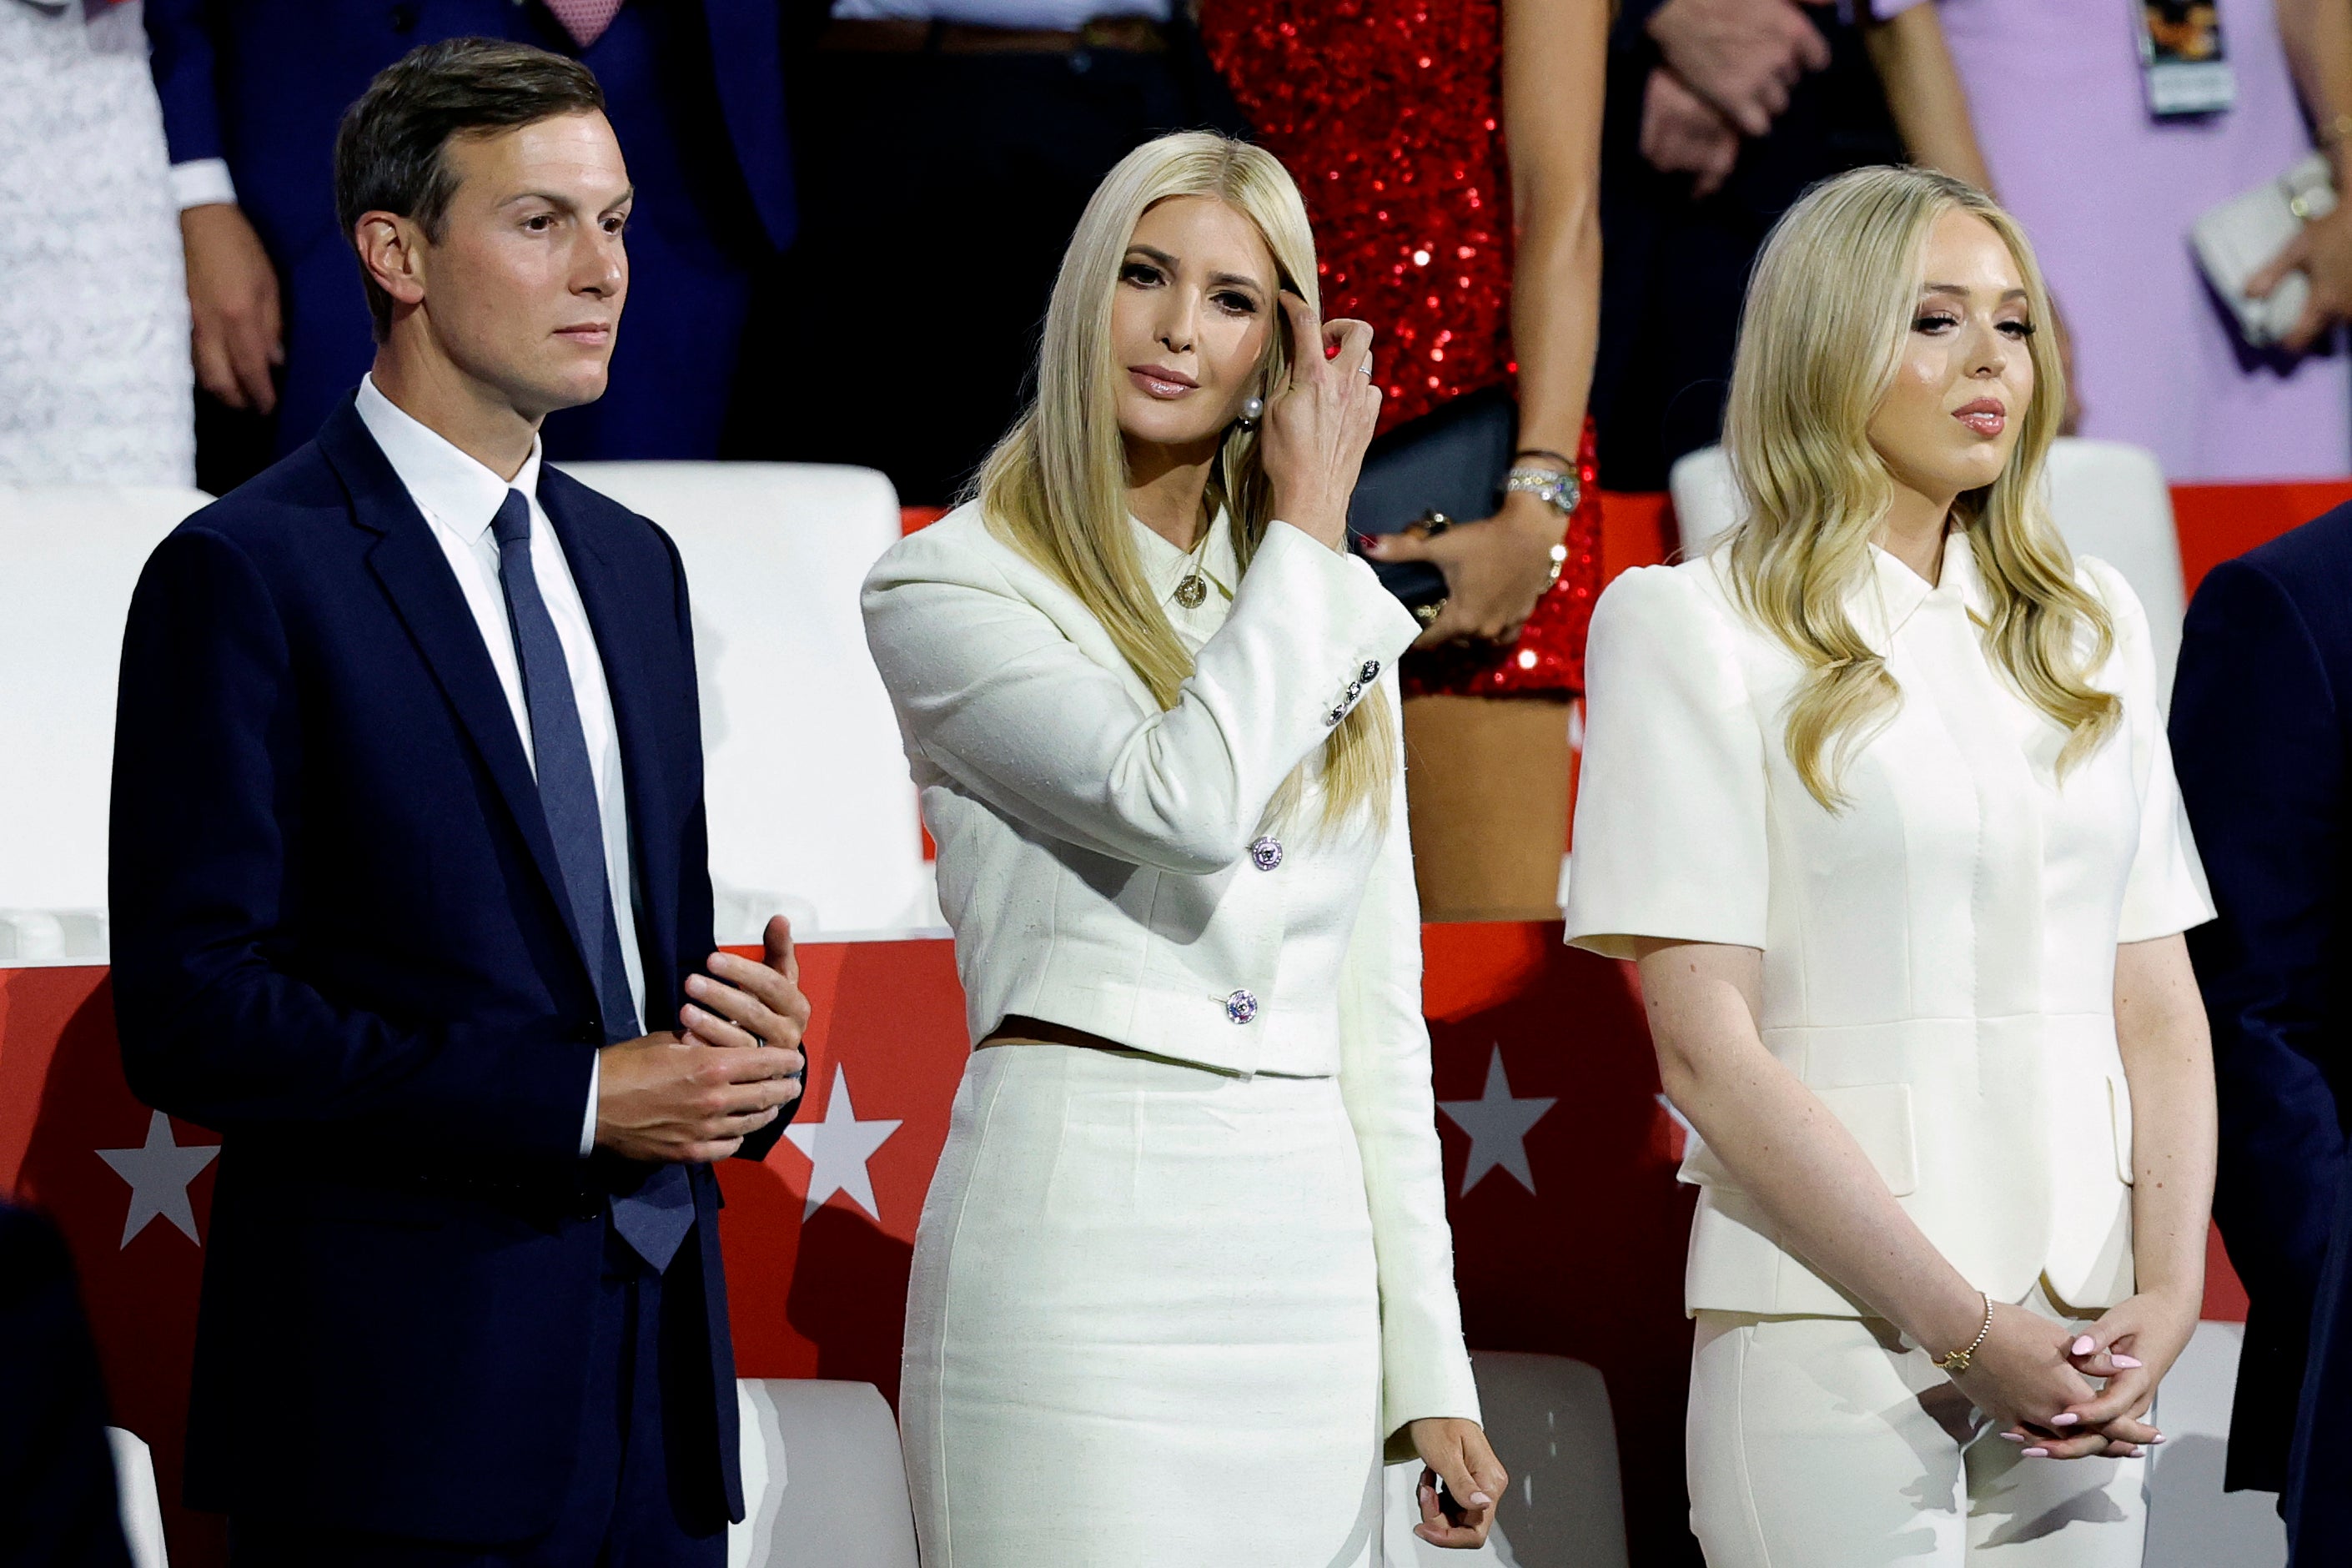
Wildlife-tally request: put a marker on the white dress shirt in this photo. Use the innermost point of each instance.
(459, 499)
(1939, 955)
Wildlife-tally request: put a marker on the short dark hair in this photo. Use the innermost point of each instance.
(390, 152)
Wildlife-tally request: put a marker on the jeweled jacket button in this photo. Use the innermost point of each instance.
(1241, 1006)
(1370, 673)
(1267, 853)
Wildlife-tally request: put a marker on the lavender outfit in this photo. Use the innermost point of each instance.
(2108, 195)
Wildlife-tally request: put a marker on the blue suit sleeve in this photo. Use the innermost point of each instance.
(180, 55)
(217, 1023)
(2258, 745)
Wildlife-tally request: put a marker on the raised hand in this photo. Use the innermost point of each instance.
(762, 1006)
(1318, 423)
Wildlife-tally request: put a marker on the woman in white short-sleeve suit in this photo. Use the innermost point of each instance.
(1878, 794)
(1184, 1268)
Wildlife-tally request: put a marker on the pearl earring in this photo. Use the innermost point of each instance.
(1252, 410)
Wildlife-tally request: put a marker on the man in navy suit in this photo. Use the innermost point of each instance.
(2261, 738)
(408, 868)
(252, 91)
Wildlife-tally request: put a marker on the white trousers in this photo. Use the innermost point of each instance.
(1828, 1443)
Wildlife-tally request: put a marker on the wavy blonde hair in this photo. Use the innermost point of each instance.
(1830, 304)
(1056, 487)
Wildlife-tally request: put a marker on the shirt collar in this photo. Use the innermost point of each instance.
(446, 484)
(1164, 566)
(1885, 601)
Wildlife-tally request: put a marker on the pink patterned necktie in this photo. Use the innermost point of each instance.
(585, 20)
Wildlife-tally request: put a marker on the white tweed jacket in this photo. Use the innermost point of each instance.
(1113, 867)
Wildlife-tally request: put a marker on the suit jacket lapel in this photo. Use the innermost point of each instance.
(620, 642)
(408, 560)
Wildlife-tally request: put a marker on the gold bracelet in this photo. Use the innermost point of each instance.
(1958, 1362)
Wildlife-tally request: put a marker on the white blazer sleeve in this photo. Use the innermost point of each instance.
(2166, 892)
(1670, 810)
(1000, 699)
(1384, 1080)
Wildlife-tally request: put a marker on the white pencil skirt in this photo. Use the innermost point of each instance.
(1144, 1322)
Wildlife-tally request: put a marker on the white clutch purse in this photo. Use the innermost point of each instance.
(2238, 238)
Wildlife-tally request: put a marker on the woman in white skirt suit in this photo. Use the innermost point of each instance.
(1878, 794)
(1184, 1272)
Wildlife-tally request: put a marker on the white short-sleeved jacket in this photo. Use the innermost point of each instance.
(1939, 955)
(1111, 866)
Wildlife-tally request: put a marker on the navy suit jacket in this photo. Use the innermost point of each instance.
(2261, 721)
(57, 1498)
(695, 92)
(263, 83)
(337, 941)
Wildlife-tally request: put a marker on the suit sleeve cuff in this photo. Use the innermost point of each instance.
(203, 182)
(588, 1122)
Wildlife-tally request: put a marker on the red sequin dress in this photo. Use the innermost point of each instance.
(1389, 115)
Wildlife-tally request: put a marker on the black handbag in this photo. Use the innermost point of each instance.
(1445, 468)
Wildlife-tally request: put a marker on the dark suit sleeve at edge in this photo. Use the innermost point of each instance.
(693, 895)
(2257, 742)
(181, 56)
(206, 761)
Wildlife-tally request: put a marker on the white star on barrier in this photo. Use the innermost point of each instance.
(1499, 1126)
(837, 1148)
(159, 1173)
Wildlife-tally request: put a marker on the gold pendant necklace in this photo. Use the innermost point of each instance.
(1193, 590)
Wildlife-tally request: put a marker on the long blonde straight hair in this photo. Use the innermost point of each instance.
(1056, 487)
(1832, 302)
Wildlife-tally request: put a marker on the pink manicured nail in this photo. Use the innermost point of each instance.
(2127, 1360)
(2064, 1418)
(2152, 1442)
(2085, 1345)
(2037, 1453)
(1480, 1499)
(2013, 1437)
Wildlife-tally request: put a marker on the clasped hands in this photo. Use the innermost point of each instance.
(1728, 68)
(2034, 1377)
(731, 1066)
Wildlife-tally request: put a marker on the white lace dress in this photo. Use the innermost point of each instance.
(95, 385)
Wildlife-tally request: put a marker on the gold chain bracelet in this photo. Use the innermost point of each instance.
(1958, 1362)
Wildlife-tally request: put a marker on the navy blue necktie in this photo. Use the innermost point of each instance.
(654, 1219)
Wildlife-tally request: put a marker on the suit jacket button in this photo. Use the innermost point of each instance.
(1370, 673)
(1267, 853)
(1241, 1006)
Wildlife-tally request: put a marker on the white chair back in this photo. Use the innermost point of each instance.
(1549, 1420)
(2109, 499)
(69, 557)
(141, 1505)
(811, 808)
(824, 1481)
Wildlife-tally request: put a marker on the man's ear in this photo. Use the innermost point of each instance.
(392, 250)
